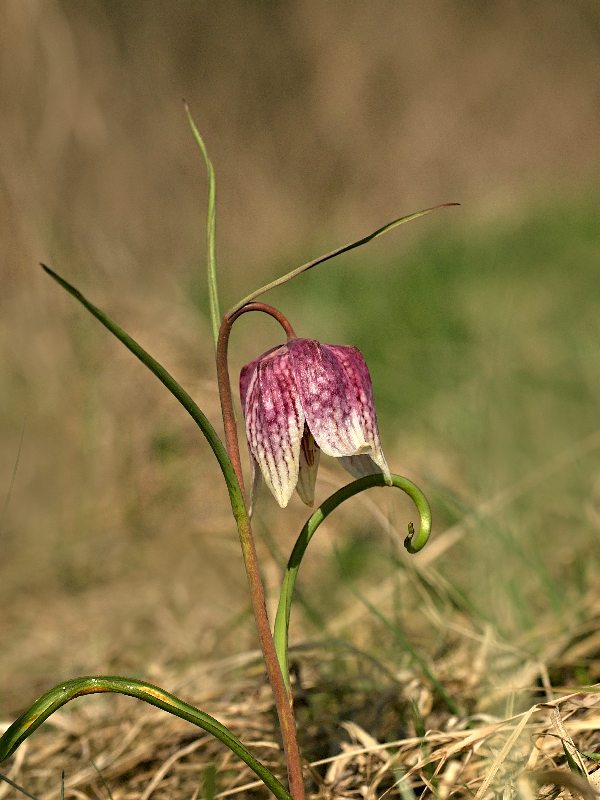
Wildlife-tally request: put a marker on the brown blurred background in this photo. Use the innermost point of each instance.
(324, 120)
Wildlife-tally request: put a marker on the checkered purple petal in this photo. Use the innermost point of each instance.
(334, 386)
(274, 420)
(360, 379)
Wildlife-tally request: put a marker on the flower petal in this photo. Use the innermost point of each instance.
(360, 379)
(359, 466)
(246, 376)
(256, 484)
(274, 420)
(334, 385)
(309, 465)
(247, 373)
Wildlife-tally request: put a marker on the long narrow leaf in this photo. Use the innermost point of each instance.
(167, 380)
(413, 543)
(211, 230)
(46, 705)
(16, 786)
(4, 512)
(338, 251)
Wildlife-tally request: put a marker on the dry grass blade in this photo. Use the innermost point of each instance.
(161, 762)
(571, 751)
(15, 766)
(162, 771)
(502, 755)
(9, 783)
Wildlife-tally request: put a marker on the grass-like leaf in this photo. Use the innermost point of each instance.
(591, 756)
(16, 786)
(218, 448)
(211, 230)
(573, 765)
(338, 251)
(48, 703)
(413, 543)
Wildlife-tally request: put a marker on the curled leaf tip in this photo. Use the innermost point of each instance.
(410, 537)
(413, 543)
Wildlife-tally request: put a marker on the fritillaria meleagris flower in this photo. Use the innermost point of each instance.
(303, 397)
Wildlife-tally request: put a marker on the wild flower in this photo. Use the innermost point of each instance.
(303, 397)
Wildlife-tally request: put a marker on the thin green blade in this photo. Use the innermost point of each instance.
(211, 230)
(171, 384)
(50, 702)
(338, 251)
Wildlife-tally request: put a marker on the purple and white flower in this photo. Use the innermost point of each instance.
(303, 397)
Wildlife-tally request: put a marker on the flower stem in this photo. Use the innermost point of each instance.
(282, 697)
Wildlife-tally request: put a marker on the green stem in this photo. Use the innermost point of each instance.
(46, 705)
(413, 543)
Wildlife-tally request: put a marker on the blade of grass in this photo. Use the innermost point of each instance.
(102, 779)
(211, 230)
(420, 731)
(338, 251)
(12, 482)
(218, 448)
(209, 782)
(57, 697)
(16, 786)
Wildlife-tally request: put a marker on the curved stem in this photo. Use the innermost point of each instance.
(413, 543)
(46, 705)
(231, 436)
(281, 694)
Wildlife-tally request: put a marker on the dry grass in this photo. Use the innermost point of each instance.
(371, 725)
(369, 728)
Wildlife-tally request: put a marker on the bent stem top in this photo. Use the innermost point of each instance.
(231, 436)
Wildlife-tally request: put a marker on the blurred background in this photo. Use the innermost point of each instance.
(480, 324)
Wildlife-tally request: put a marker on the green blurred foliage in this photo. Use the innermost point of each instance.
(484, 353)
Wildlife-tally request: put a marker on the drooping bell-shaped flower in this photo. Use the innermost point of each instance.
(303, 397)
